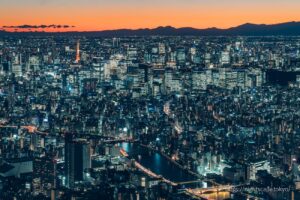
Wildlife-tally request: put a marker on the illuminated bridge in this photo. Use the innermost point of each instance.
(30, 129)
(199, 191)
(106, 139)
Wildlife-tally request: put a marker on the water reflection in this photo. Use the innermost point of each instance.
(157, 163)
(161, 165)
(216, 195)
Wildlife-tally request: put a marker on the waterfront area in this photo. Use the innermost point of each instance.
(157, 163)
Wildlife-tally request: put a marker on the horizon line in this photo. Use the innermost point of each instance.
(44, 30)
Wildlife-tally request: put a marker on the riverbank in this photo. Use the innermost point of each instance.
(173, 161)
(160, 164)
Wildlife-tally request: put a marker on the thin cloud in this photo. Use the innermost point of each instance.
(26, 26)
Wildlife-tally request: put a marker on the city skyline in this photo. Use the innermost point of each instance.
(99, 15)
(149, 100)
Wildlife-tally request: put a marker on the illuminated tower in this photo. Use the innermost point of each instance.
(77, 52)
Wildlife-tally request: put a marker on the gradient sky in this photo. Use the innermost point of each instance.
(114, 14)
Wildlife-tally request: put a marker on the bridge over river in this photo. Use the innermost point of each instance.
(156, 165)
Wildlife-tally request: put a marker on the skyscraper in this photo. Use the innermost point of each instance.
(77, 52)
(77, 159)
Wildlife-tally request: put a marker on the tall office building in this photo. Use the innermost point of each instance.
(180, 56)
(161, 48)
(225, 57)
(116, 42)
(199, 80)
(77, 52)
(222, 77)
(77, 160)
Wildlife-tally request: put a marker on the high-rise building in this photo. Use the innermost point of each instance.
(17, 69)
(199, 80)
(161, 48)
(180, 56)
(222, 77)
(225, 57)
(231, 79)
(77, 160)
(116, 42)
(77, 52)
(241, 78)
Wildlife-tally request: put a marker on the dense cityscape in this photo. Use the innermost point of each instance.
(151, 117)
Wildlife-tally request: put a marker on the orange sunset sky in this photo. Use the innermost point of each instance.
(89, 15)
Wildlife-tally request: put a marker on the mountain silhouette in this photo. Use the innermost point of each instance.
(248, 29)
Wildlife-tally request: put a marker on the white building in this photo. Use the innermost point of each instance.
(254, 167)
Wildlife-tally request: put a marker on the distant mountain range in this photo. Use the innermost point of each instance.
(248, 29)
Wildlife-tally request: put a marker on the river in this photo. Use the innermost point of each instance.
(157, 163)
(161, 165)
